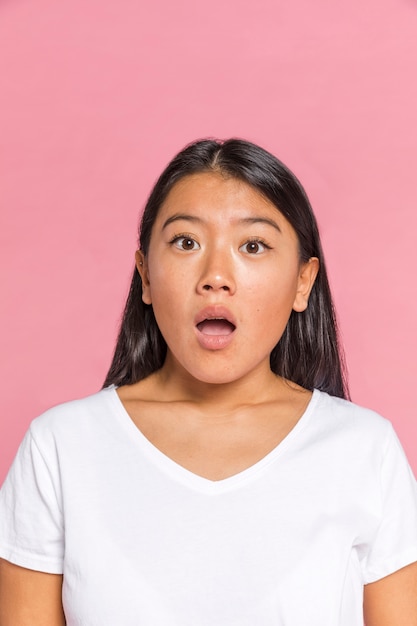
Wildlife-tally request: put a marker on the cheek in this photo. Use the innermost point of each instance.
(171, 283)
(169, 298)
(274, 309)
(273, 289)
(164, 270)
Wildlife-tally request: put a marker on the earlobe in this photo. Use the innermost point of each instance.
(142, 267)
(306, 278)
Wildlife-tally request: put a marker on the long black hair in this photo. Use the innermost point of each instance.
(309, 352)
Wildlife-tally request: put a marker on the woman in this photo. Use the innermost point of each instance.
(221, 476)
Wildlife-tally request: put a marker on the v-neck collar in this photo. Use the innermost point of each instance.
(189, 478)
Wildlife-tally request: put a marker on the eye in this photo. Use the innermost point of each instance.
(184, 242)
(254, 246)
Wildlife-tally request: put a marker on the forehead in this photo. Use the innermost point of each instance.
(216, 195)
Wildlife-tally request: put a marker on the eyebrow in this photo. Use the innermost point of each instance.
(244, 220)
(262, 220)
(181, 216)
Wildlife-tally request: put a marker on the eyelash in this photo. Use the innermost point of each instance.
(180, 236)
(257, 240)
(186, 236)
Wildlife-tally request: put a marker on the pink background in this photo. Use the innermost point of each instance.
(97, 95)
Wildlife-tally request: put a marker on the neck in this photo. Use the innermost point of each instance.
(257, 387)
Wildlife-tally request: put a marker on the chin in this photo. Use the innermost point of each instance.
(209, 372)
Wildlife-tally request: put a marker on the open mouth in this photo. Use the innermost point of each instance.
(216, 326)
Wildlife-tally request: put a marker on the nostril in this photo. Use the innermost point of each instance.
(209, 287)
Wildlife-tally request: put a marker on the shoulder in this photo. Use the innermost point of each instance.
(350, 425)
(77, 418)
(359, 449)
(346, 413)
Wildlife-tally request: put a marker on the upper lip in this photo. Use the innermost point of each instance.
(214, 312)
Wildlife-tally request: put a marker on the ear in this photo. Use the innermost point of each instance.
(306, 278)
(142, 267)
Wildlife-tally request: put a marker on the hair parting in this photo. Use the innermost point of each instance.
(309, 352)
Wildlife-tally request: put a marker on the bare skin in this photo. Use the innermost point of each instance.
(29, 598)
(219, 441)
(392, 601)
(220, 250)
(213, 411)
(211, 439)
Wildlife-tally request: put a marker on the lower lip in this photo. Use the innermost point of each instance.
(214, 342)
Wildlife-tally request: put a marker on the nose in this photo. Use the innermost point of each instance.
(217, 273)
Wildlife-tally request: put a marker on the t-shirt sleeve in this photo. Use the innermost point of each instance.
(394, 544)
(31, 521)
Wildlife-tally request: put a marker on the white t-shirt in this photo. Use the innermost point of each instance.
(142, 541)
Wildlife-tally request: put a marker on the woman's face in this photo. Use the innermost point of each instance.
(222, 274)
